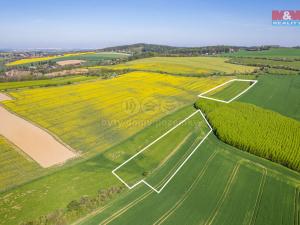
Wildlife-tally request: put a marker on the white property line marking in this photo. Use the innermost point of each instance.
(218, 100)
(176, 171)
(201, 96)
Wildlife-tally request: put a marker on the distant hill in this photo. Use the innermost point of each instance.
(142, 48)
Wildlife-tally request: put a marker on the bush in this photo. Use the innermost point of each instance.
(73, 205)
(145, 173)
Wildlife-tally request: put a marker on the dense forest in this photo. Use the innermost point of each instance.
(250, 128)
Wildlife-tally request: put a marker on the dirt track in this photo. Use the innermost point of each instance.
(70, 62)
(34, 141)
(4, 97)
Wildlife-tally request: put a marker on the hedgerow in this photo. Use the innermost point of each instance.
(77, 208)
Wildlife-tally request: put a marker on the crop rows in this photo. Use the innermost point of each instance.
(277, 93)
(210, 189)
(289, 65)
(274, 53)
(168, 150)
(184, 65)
(228, 91)
(95, 115)
(44, 83)
(132, 207)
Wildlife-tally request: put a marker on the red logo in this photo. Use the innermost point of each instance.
(286, 15)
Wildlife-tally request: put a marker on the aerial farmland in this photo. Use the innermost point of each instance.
(97, 130)
(122, 123)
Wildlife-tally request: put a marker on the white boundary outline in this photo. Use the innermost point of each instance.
(202, 94)
(145, 182)
(170, 178)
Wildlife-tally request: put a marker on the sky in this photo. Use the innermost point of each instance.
(88, 24)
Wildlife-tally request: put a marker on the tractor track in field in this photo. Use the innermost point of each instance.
(211, 218)
(145, 195)
(173, 152)
(296, 206)
(187, 193)
(230, 182)
(184, 156)
(259, 195)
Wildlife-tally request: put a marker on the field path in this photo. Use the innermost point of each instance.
(4, 97)
(34, 141)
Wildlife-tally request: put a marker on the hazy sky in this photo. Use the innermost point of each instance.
(97, 23)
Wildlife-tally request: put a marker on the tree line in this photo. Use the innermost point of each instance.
(142, 49)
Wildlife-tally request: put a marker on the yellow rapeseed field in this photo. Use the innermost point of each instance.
(40, 59)
(93, 116)
(184, 65)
